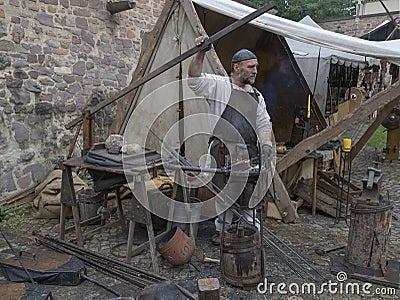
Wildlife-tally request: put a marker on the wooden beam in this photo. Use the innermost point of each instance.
(87, 131)
(371, 129)
(307, 146)
(19, 199)
(214, 38)
(283, 201)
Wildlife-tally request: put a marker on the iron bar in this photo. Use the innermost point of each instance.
(89, 255)
(104, 286)
(138, 282)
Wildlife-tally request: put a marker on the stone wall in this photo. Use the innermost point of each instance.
(352, 28)
(56, 58)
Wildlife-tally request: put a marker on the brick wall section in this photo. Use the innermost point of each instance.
(56, 58)
(365, 24)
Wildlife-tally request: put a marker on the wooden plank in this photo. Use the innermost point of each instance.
(19, 199)
(87, 130)
(305, 147)
(325, 203)
(272, 211)
(314, 187)
(72, 145)
(283, 201)
(214, 38)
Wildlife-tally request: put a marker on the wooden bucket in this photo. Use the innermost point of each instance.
(368, 237)
(242, 259)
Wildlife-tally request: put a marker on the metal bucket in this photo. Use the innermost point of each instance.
(242, 258)
(89, 202)
(181, 215)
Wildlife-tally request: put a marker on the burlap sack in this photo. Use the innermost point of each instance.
(47, 203)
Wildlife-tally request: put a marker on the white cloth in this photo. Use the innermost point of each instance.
(217, 90)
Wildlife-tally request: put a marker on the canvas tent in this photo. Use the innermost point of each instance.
(387, 30)
(388, 50)
(157, 101)
(315, 63)
(280, 79)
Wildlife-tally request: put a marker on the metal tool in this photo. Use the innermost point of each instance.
(324, 251)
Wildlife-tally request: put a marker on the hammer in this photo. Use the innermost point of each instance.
(324, 251)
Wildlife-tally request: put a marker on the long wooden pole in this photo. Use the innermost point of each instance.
(220, 34)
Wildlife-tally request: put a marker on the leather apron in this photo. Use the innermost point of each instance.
(236, 129)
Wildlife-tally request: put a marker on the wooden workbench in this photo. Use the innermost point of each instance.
(134, 173)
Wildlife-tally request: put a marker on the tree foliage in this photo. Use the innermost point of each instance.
(316, 9)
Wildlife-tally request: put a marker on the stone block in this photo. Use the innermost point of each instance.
(5, 61)
(21, 133)
(45, 19)
(81, 23)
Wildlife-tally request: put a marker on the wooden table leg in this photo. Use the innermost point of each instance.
(130, 240)
(68, 198)
(140, 191)
(120, 211)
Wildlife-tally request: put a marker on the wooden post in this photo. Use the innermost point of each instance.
(68, 198)
(314, 187)
(87, 131)
(392, 144)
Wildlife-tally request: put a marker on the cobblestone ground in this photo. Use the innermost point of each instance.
(303, 237)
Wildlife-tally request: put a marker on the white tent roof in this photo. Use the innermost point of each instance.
(315, 63)
(389, 50)
(303, 50)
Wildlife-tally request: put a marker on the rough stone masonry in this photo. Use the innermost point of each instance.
(58, 57)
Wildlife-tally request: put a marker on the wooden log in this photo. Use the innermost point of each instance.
(368, 237)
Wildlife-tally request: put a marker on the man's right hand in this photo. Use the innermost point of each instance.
(196, 65)
(200, 40)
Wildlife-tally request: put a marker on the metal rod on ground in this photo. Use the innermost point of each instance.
(289, 260)
(103, 268)
(220, 34)
(111, 260)
(294, 252)
(119, 273)
(17, 257)
(118, 294)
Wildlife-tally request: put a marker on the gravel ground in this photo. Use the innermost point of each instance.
(303, 237)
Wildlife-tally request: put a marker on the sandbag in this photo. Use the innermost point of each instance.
(47, 203)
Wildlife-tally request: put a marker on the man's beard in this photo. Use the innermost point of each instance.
(248, 80)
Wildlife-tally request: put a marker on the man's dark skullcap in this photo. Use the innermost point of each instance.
(242, 55)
